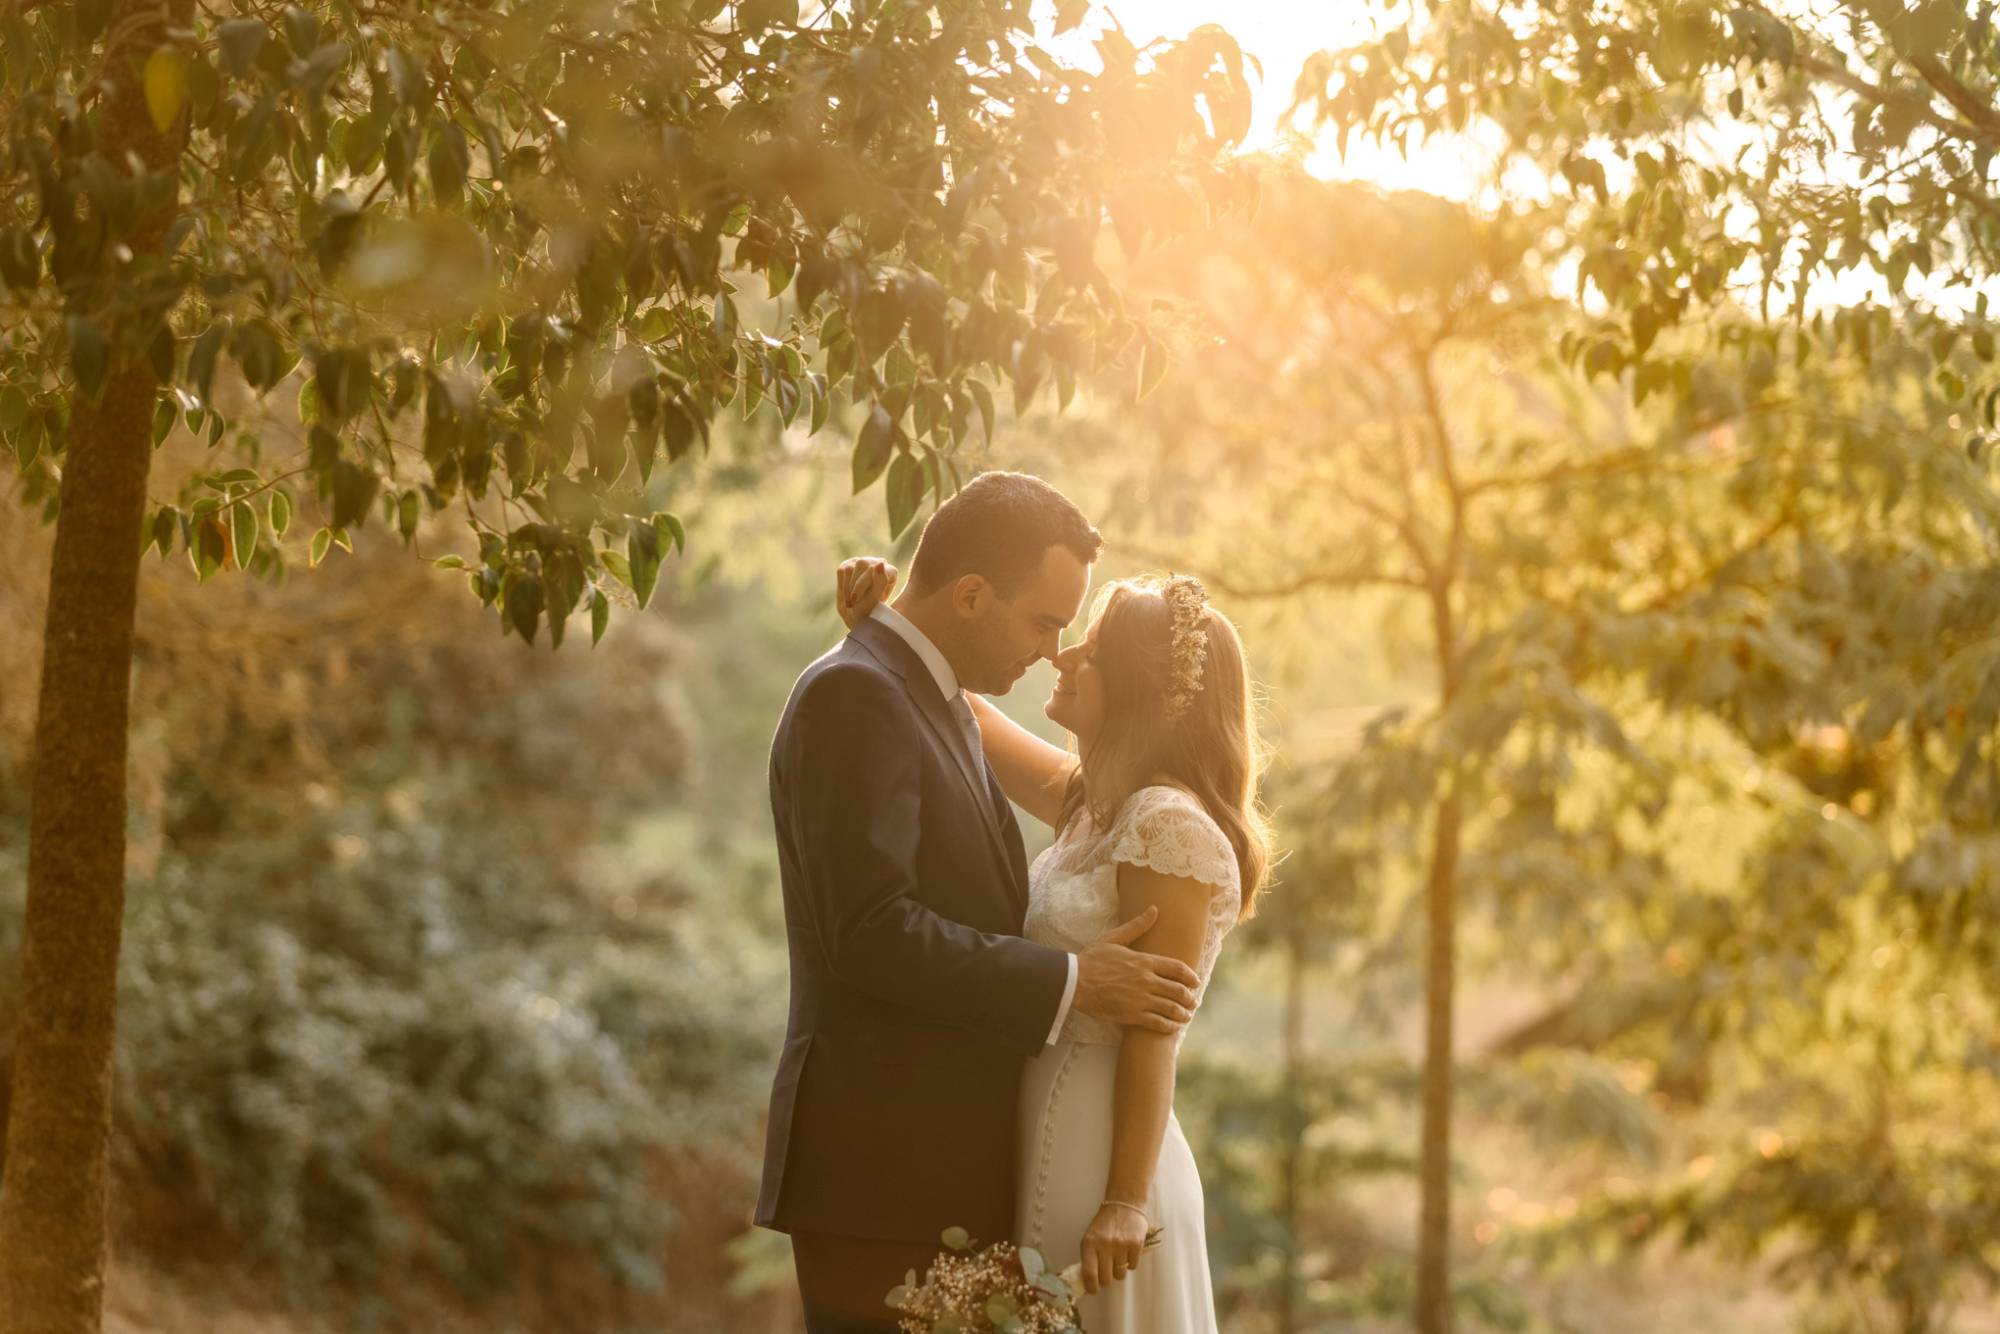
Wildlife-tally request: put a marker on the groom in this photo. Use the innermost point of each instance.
(914, 1000)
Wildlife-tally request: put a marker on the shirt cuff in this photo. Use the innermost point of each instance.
(1062, 1011)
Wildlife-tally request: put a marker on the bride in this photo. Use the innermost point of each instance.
(1156, 808)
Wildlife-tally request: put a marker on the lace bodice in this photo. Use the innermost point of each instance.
(1073, 884)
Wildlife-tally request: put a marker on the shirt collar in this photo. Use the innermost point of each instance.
(947, 680)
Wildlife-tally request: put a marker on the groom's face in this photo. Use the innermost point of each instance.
(1008, 635)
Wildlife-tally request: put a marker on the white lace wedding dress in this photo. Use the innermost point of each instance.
(1064, 1151)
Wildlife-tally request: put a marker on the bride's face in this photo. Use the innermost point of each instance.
(1077, 702)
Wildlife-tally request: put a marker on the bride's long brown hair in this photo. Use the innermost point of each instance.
(1211, 749)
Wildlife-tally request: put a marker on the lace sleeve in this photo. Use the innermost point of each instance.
(1164, 829)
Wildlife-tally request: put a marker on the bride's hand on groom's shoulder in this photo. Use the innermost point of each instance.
(1123, 986)
(860, 583)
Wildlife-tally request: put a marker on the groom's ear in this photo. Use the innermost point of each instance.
(969, 593)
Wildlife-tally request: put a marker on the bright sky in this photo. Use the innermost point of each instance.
(1281, 34)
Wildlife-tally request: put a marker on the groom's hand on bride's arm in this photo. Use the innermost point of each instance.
(1134, 990)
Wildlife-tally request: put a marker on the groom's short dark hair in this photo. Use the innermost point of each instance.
(998, 526)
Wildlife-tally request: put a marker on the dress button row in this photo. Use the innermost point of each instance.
(1048, 1146)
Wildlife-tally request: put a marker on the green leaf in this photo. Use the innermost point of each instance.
(320, 67)
(671, 530)
(642, 550)
(20, 261)
(452, 561)
(983, 398)
(450, 158)
(166, 84)
(600, 615)
(407, 78)
(259, 352)
(681, 426)
(89, 353)
(209, 547)
(27, 439)
(353, 490)
(317, 551)
(240, 40)
(571, 503)
(621, 569)
(164, 524)
(165, 413)
(14, 407)
(878, 320)
(957, 1238)
(281, 512)
(522, 595)
(301, 29)
(905, 492)
(822, 402)
(160, 352)
(201, 358)
(873, 447)
(779, 274)
(243, 532)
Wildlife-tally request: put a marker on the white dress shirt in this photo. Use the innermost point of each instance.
(947, 683)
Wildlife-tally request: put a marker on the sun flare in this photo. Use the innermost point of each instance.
(1280, 35)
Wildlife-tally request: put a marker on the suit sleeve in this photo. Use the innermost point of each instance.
(856, 774)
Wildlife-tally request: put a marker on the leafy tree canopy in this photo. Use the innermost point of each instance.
(518, 255)
(1824, 167)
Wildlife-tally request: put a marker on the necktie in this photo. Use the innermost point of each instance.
(961, 709)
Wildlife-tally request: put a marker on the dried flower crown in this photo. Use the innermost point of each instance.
(1188, 601)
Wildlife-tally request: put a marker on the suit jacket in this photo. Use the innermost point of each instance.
(914, 999)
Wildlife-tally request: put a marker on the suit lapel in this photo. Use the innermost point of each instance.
(889, 649)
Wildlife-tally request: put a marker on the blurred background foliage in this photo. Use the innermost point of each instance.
(453, 974)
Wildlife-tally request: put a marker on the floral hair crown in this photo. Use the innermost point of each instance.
(1188, 600)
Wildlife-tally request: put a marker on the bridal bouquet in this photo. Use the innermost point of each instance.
(1003, 1289)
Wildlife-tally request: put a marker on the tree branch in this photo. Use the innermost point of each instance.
(1308, 581)
(1968, 103)
(1447, 467)
(1616, 462)
(1677, 592)
(1880, 96)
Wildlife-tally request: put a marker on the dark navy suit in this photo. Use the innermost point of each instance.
(914, 999)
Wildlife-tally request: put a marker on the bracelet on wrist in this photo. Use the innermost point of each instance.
(1127, 1204)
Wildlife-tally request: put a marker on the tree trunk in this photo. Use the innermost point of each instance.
(1295, 1122)
(53, 1193)
(1441, 962)
(1434, 1233)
